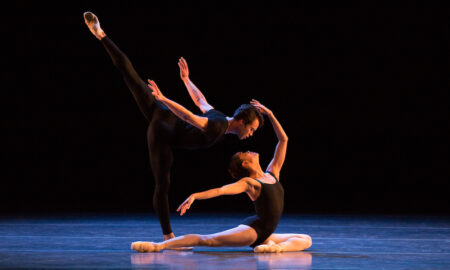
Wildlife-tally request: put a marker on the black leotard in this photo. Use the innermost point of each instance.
(269, 207)
(165, 131)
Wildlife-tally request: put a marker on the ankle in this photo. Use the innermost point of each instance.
(169, 236)
(100, 35)
(160, 246)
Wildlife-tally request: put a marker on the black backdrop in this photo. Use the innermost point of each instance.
(362, 93)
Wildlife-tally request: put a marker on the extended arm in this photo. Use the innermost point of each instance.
(280, 150)
(180, 111)
(196, 95)
(231, 189)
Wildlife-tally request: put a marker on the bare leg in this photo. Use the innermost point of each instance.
(242, 235)
(281, 242)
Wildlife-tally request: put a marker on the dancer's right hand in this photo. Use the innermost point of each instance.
(156, 92)
(184, 70)
(186, 205)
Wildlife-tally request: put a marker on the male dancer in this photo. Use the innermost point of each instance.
(166, 129)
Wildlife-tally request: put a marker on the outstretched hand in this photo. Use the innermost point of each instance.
(184, 70)
(155, 90)
(185, 205)
(261, 108)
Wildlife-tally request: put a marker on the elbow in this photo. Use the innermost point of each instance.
(220, 191)
(284, 139)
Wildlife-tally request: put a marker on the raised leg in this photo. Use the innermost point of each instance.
(139, 89)
(242, 235)
(283, 242)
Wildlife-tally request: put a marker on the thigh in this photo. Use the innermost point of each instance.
(282, 237)
(242, 235)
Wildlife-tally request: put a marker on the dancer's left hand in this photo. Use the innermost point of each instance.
(186, 205)
(156, 92)
(261, 108)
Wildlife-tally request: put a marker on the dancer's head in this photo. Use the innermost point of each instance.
(249, 119)
(243, 164)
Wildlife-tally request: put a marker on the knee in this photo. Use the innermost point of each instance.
(206, 240)
(162, 187)
(122, 62)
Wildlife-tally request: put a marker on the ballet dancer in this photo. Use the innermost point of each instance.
(170, 124)
(267, 194)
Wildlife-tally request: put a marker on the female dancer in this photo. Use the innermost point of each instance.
(267, 194)
(166, 129)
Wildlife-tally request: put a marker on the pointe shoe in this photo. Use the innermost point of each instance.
(137, 246)
(140, 246)
(270, 247)
(93, 24)
(260, 249)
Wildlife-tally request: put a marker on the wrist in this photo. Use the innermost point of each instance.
(163, 99)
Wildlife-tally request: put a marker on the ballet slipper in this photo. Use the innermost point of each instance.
(260, 249)
(270, 247)
(140, 246)
(93, 24)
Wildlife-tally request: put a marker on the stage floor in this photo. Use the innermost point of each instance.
(339, 242)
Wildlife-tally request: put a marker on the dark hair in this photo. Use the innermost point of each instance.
(235, 168)
(248, 113)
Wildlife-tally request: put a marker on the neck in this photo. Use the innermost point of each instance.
(231, 126)
(257, 174)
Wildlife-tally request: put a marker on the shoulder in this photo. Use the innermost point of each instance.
(216, 120)
(213, 113)
(276, 176)
(250, 181)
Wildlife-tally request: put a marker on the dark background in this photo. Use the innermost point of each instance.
(362, 93)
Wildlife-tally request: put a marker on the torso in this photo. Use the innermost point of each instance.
(268, 199)
(255, 186)
(190, 137)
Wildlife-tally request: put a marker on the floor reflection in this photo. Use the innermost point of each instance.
(223, 260)
(294, 260)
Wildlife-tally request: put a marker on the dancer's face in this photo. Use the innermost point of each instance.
(246, 131)
(249, 157)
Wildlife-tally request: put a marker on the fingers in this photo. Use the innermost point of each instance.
(254, 101)
(183, 207)
(152, 85)
(183, 210)
(182, 63)
(179, 207)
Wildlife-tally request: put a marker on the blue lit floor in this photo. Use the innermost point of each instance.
(339, 242)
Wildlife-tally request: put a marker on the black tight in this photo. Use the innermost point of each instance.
(159, 133)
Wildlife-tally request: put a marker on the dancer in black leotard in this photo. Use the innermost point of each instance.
(264, 190)
(166, 129)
